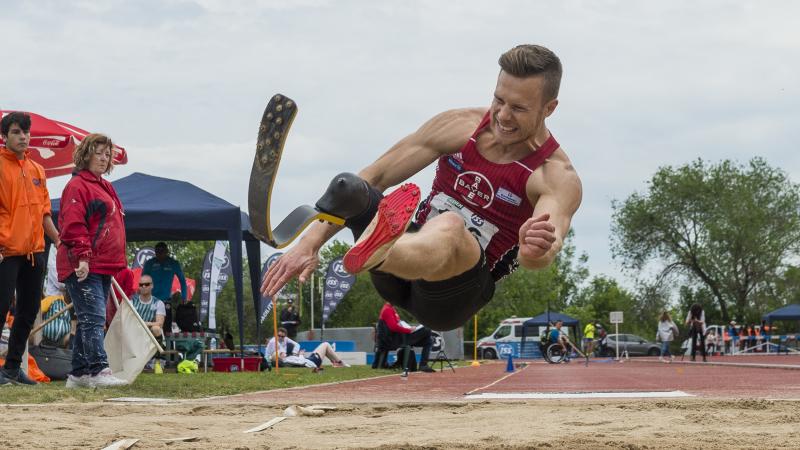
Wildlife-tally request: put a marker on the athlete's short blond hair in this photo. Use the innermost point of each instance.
(529, 60)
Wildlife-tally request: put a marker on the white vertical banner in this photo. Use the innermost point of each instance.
(218, 259)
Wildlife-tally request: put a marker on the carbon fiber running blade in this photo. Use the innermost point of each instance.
(275, 124)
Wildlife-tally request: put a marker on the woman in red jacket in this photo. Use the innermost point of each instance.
(92, 250)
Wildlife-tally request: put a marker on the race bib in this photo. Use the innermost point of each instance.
(482, 229)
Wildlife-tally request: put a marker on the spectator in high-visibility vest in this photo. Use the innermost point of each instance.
(588, 338)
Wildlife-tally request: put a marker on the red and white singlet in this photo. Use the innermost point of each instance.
(489, 197)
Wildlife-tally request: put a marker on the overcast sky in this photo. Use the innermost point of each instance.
(182, 84)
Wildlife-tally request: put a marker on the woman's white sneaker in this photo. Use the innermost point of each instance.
(106, 379)
(83, 381)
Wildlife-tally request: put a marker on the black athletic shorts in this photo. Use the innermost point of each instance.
(440, 305)
(315, 358)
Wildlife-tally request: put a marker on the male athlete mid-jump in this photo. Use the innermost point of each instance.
(503, 196)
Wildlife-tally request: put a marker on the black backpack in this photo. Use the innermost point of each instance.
(55, 362)
(186, 317)
(544, 338)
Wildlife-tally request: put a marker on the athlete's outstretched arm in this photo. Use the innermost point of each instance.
(556, 194)
(445, 133)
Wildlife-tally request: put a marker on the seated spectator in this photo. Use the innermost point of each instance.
(557, 337)
(150, 308)
(419, 336)
(314, 359)
(289, 353)
(286, 347)
(58, 332)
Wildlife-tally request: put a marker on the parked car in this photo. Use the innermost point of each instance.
(633, 344)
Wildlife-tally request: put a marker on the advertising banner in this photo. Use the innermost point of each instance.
(337, 283)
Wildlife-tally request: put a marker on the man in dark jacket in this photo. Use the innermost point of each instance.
(290, 319)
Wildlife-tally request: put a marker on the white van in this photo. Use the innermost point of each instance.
(509, 330)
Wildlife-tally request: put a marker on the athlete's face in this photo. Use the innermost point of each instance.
(518, 111)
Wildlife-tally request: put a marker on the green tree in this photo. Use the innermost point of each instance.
(529, 293)
(727, 227)
(601, 296)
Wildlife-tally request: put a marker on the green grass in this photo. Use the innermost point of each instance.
(183, 386)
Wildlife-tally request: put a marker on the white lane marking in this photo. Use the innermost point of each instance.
(565, 395)
(496, 381)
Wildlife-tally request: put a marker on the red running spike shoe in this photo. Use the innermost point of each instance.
(394, 215)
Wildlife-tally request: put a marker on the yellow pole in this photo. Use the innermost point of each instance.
(300, 294)
(275, 331)
(475, 345)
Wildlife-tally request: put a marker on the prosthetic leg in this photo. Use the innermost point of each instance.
(349, 200)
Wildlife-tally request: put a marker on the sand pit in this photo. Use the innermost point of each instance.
(700, 406)
(654, 424)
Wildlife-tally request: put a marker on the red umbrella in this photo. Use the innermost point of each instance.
(52, 143)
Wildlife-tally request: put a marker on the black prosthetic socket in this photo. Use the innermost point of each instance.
(360, 222)
(352, 198)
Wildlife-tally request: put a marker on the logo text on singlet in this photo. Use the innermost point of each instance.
(509, 197)
(475, 189)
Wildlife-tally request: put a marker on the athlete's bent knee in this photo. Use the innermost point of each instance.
(448, 222)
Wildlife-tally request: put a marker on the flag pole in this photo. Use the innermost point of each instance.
(300, 304)
(275, 332)
(51, 318)
(475, 344)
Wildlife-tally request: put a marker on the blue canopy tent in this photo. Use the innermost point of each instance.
(788, 312)
(542, 320)
(163, 209)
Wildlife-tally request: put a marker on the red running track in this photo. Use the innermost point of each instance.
(640, 375)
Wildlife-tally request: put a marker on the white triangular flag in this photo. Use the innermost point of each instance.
(129, 343)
